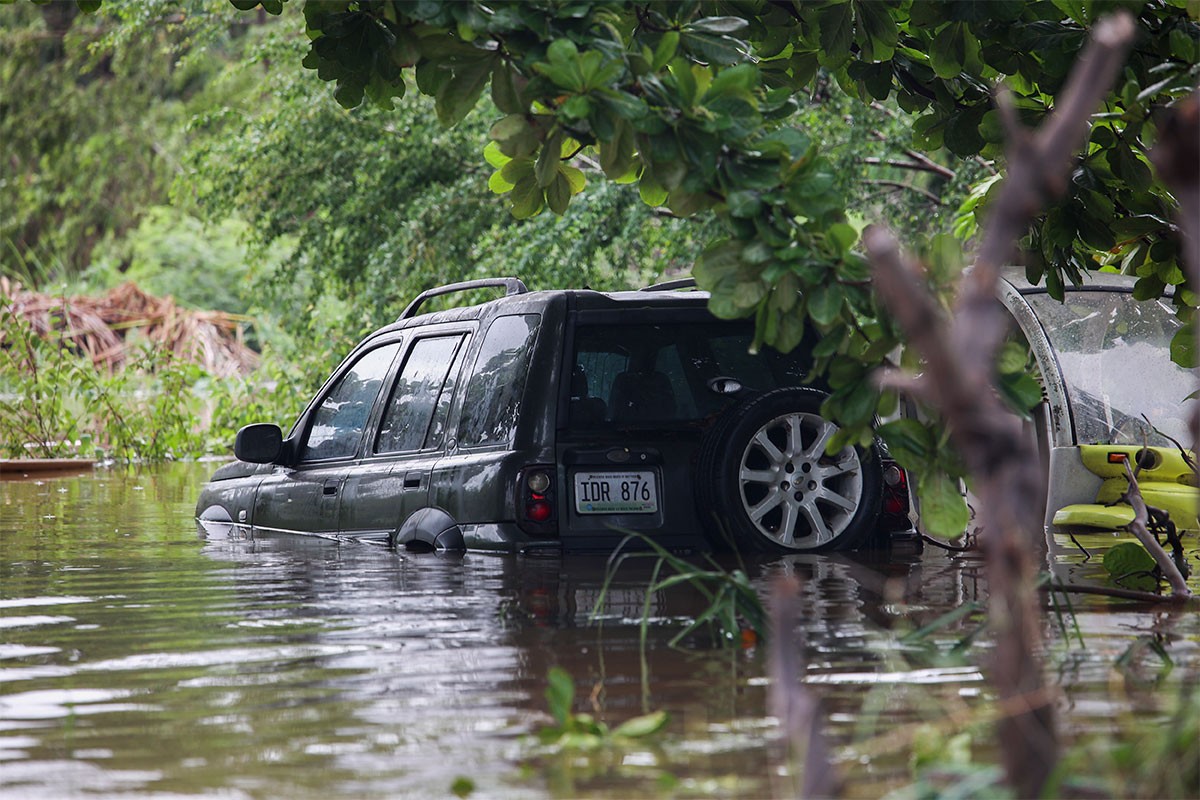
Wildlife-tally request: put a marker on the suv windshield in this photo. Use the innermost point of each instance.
(1115, 355)
(641, 373)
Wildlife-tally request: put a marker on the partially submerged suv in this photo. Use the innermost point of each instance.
(561, 419)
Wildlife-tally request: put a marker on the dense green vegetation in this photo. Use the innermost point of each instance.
(176, 145)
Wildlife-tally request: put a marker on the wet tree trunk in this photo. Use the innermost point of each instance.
(959, 354)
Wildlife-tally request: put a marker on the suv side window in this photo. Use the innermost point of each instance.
(337, 424)
(493, 395)
(416, 395)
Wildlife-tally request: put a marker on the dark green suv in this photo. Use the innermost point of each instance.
(561, 419)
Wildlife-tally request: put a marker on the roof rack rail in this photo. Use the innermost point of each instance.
(510, 285)
(669, 286)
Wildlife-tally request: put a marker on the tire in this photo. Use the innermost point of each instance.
(747, 470)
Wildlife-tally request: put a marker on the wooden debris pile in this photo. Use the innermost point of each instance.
(109, 328)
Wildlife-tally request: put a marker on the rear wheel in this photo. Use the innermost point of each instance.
(763, 473)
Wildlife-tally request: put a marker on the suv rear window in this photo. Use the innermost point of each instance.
(635, 373)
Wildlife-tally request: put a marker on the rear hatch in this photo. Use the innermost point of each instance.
(645, 384)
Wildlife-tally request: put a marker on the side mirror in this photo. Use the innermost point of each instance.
(259, 444)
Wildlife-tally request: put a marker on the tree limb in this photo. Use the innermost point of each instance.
(924, 165)
(1138, 528)
(928, 195)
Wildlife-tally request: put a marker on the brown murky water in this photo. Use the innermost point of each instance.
(140, 657)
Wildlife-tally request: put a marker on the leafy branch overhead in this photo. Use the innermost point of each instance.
(691, 101)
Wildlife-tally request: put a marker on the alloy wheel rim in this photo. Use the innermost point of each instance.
(791, 491)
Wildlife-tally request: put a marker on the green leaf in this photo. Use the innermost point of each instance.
(713, 48)
(747, 294)
(717, 25)
(836, 23)
(745, 203)
(1078, 10)
(1183, 346)
(718, 263)
(574, 177)
(910, 443)
(349, 94)
(668, 45)
(527, 197)
(877, 31)
(843, 236)
(616, 155)
(1129, 168)
(944, 511)
(546, 168)
(1012, 358)
(948, 51)
(1148, 288)
(459, 95)
(1020, 391)
(962, 136)
(825, 303)
(651, 191)
(855, 405)
(578, 106)
(644, 725)
(1127, 563)
(558, 194)
(560, 694)
(494, 155)
(505, 93)
(517, 170)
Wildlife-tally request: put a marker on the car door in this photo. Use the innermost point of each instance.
(391, 480)
(304, 498)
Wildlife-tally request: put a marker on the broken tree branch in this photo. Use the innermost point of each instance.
(928, 195)
(924, 165)
(1139, 529)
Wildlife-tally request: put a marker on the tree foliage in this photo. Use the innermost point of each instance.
(688, 100)
(92, 117)
(377, 205)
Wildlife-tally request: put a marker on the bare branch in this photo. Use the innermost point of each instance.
(928, 195)
(1138, 528)
(922, 165)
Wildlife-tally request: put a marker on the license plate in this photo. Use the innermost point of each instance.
(632, 492)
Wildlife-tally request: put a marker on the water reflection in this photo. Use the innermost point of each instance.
(139, 658)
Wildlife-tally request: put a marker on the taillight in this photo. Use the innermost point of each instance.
(536, 500)
(895, 492)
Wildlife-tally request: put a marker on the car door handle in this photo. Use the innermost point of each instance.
(412, 480)
(330, 489)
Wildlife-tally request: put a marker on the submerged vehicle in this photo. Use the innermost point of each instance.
(564, 420)
(1111, 395)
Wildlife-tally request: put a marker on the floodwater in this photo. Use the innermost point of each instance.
(141, 657)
